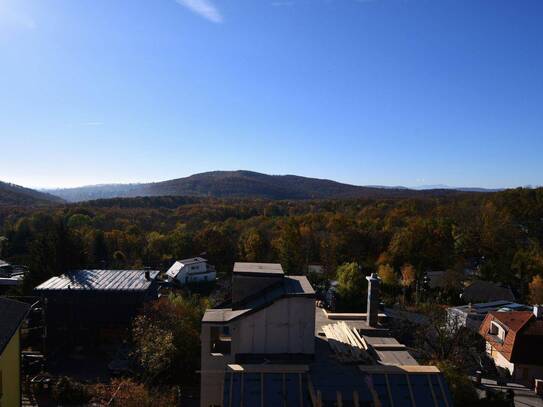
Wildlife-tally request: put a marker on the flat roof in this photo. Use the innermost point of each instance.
(485, 307)
(100, 280)
(260, 268)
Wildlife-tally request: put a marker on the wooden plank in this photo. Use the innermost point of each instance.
(399, 369)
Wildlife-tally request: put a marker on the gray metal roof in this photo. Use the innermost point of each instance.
(12, 314)
(260, 268)
(114, 280)
(486, 307)
(191, 260)
(292, 286)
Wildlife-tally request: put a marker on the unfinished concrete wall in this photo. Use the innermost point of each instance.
(212, 370)
(287, 326)
(244, 286)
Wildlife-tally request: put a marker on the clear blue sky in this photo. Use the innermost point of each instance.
(392, 92)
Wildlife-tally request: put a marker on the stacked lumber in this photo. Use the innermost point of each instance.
(346, 342)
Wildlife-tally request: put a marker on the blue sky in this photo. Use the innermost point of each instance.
(390, 92)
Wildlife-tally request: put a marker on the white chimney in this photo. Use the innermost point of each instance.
(538, 311)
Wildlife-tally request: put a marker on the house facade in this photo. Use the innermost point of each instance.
(12, 314)
(193, 270)
(472, 316)
(513, 341)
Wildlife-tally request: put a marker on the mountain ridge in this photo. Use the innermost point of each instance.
(16, 195)
(241, 184)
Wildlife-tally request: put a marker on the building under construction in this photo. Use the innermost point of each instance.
(94, 307)
(271, 346)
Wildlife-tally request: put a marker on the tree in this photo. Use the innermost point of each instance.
(167, 339)
(387, 275)
(352, 287)
(252, 246)
(289, 246)
(536, 290)
(409, 275)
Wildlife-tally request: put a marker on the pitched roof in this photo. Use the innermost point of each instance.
(192, 260)
(111, 280)
(523, 334)
(485, 291)
(12, 314)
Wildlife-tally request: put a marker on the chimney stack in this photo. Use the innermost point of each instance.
(372, 315)
(147, 274)
(538, 311)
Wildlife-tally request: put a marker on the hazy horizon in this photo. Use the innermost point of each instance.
(373, 92)
(418, 186)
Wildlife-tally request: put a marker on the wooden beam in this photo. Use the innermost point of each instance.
(399, 369)
(262, 368)
(410, 391)
(432, 391)
(389, 391)
(339, 399)
(356, 398)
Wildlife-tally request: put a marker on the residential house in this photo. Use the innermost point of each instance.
(486, 291)
(271, 346)
(472, 315)
(315, 269)
(193, 270)
(94, 307)
(10, 276)
(513, 341)
(12, 314)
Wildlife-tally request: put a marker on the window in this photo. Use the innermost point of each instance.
(221, 339)
(497, 331)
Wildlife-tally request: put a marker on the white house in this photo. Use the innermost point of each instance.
(193, 270)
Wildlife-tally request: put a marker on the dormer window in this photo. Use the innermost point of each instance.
(497, 331)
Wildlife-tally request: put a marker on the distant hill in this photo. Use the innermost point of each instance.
(15, 195)
(241, 184)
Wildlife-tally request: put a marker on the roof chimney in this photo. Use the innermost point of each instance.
(538, 311)
(148, 274)
(372, 315)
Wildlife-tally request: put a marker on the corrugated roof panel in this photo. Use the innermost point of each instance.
(113, 280)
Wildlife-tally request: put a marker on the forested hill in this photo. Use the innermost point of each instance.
(15, 195)
(242, 184)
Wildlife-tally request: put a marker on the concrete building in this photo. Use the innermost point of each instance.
(271, 318)
(12, 314)
(193, 270)
(271, 346)
(472, 315)
(514, 341)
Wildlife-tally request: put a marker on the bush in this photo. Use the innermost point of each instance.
(70, 392)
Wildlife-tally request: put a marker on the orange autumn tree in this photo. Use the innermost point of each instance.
(536, 290)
